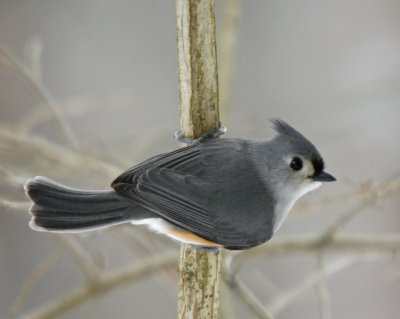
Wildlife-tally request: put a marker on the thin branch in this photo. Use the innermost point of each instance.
(33, 55)
(370, 195)
(107, 282)
(56, 154)
(342, 221)
(359, 244)
(39, 89)
(89, 268)
(368, 192)
(37, 273)
(248, 297)
(280, 301)
(10, 177)
(6, 204)
(147, 244)
(76, 106)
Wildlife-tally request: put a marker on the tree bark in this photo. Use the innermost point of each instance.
(200, 270)
(197, 58)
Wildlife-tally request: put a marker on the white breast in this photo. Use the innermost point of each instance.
(287, 200)
(161, 226)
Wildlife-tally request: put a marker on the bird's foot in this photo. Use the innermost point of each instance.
(215, 133)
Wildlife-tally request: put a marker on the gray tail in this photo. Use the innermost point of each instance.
(59, 208)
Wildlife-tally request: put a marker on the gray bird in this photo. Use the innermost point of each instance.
(232, 193)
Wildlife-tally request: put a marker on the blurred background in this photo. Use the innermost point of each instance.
(89, 88)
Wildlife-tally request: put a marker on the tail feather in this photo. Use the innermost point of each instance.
(60, 208)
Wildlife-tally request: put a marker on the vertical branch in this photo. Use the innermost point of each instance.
(198, 86)
(197, 58)
(199, 283)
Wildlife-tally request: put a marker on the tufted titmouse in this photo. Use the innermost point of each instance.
(232, 193)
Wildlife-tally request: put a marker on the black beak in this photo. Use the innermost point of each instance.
(323, 177)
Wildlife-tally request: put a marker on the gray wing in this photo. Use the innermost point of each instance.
(211, 189)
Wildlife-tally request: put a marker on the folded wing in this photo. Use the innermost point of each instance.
(198, 189)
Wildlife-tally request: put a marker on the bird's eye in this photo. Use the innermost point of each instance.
(296, 164)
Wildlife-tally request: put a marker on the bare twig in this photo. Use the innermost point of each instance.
(279, 302)
(6, 204)
(39, 89)
(248, 297)
(105, 283)
(56, 154)
(144, 243)
(33, 56)
(381, 248)
(342, 221)
(310, 244)
(76, 106)
(368, 192)
(370, 195)
(89, 268)
(32, 279)
(10, 177)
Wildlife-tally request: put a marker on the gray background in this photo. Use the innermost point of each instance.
(330, 68)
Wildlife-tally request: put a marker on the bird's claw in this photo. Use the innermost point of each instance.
(208, 248)
(215, 133)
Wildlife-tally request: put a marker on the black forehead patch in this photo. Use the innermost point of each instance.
(318, 164)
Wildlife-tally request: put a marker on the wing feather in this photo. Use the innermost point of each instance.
(193, 188)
